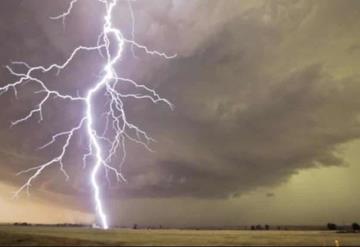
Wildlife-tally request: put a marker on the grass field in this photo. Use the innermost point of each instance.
(10, 235)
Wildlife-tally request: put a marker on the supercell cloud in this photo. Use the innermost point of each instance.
(261, 90)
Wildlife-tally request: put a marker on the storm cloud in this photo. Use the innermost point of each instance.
(256, 96)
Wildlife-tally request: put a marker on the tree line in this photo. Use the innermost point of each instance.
(332, 226)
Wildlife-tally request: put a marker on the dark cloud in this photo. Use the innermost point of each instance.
(239, 123)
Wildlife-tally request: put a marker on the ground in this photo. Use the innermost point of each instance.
(22, 235)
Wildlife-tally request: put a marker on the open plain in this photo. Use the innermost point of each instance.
(25, 235)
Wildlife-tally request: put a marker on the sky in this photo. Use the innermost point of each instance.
(265, 127)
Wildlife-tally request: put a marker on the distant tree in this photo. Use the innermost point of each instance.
(355, 226)
(259, 227)
(267, 227)
(252, 227)
(331, 226)
(135, 226)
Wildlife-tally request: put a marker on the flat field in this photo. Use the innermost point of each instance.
(24, 235)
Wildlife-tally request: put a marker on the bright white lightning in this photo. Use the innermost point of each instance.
(101, 147)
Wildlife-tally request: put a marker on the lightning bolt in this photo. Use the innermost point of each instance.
(118, 129)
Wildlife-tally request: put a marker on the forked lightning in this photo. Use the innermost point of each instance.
(117, 128)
